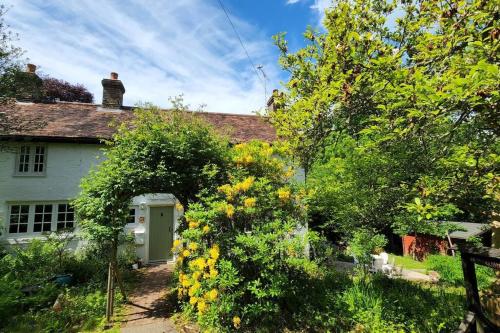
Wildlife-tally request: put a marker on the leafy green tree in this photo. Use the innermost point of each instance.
(396, 100)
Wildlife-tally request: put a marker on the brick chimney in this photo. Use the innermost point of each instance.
(112, 93)
(28, 85)
(271, 105)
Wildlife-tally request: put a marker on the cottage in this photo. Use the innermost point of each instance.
(42, 162)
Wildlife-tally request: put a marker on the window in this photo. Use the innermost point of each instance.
(37, 218)
(18, 221)
(131, 216)
(43, 218)
(65, 217)
(31, 161)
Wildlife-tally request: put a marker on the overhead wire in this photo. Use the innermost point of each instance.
(241, 41)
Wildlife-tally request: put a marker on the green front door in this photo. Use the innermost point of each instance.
(161, 233)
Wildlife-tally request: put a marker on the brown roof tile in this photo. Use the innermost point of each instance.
(89, 122)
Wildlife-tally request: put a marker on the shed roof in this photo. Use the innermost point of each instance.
(471, 229)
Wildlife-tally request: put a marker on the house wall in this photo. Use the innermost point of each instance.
(66, 164)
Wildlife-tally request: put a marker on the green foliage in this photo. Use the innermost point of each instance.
(380, 114)
(28, 292)
(364, 243)
(450, 271)
(81, 308)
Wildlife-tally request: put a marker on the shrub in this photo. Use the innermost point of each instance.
(241, 254)
(364, 243)
(450, 270)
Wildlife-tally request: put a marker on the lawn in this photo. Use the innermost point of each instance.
(407, 262)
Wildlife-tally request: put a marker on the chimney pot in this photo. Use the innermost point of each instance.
(114, 76)
(30, 68)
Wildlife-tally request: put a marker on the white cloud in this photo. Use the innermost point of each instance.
(320, 7)
(291, 2)
(159, 49)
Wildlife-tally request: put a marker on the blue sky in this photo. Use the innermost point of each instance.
(164, 48)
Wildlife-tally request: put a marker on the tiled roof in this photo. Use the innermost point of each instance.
(90, 122)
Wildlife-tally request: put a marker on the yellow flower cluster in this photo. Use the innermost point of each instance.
(245, 160)
(249, 202)
(231, 191)
(236, 322)
(192, 284)
(179, 207)
(284, 194)
(244, 185)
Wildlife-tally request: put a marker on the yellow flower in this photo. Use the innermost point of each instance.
(236, 321)
(245, 185)
(193, 225)
(227, 190)
(206, 229)
(214, 252)
(284, 194)
(194, 288)
(212, 294)
(179, 207)
(202, 306)
(179, 260)
(230, 211)
(211, 262)
(193, 300)
(213, 273)
(249, 202)
(193, 246)
(196, 275)
(177, 243)
(198, 263)
(186, 283)
(186, 253)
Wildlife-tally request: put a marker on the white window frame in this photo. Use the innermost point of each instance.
(31, 161)
(31, 218)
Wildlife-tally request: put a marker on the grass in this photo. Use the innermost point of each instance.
(407, 262)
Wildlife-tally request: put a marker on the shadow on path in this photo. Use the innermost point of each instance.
(148, 309)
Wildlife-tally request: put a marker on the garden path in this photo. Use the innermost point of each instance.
(148, 309)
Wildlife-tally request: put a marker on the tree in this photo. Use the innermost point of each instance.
(396, 111)
(59, 89)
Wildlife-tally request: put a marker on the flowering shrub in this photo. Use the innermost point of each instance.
(240, 250)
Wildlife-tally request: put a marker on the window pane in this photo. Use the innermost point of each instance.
(65, 216)
(24, 159)
(131, 216)
(43, 218)
(38, 165)
(18, 219)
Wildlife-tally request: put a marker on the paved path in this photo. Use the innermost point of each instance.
(407, 274)
(148, 310)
